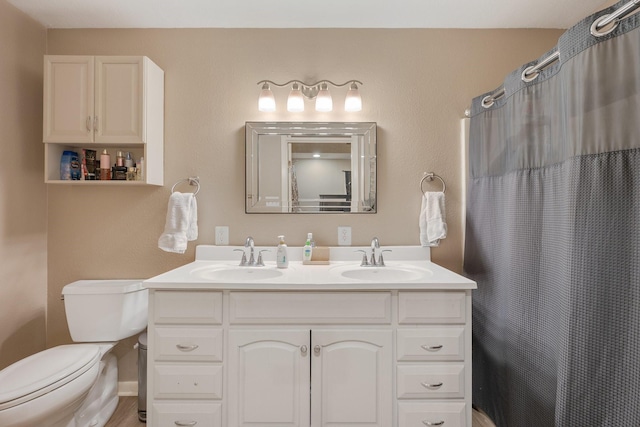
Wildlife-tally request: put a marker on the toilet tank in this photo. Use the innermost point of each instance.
(105, 310)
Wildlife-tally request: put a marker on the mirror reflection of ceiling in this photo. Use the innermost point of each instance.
(295, 13)
(328, 147)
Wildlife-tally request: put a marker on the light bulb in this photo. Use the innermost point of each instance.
(353, 101)
(266, 100)
(295, 102)
(324, 103)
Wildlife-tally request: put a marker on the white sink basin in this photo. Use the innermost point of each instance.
(221, 273)
(388, 274)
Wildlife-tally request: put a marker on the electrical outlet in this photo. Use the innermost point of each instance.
(344, 236)
(222, 235)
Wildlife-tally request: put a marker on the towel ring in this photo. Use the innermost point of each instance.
(191, 181)
(429, 177)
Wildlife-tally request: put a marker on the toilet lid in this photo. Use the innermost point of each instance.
(45, 371)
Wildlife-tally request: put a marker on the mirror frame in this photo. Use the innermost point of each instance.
(365, 130)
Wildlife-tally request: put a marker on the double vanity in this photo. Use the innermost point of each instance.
(312, 345)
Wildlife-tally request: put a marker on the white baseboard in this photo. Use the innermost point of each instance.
(127, 388)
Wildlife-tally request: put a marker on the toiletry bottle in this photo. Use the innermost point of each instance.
(282, 259)
(140, 169)
(119, 159)
(306, 251)
(128, 160)
(105, 165)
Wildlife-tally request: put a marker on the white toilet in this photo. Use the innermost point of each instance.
(76, 385)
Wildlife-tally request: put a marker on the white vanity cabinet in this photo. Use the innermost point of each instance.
(185, 359)
(433, 355)
(308, 358)
(103, 102)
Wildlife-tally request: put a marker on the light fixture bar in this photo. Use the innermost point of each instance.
(318, 91)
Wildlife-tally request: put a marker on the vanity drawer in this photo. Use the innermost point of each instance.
(188, 307)
(203, 344)
(193, 381)
(446, 414)
(430, 381)
(432, 307)
(187, 414)
(431, 343)
(310, 307)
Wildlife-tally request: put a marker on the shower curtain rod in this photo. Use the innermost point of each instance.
(603, 25)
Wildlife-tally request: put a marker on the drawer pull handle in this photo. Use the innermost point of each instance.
(185, 423)
(431, 386)
(435, 423)
(88, 123)
(186, 348)
(431, 347)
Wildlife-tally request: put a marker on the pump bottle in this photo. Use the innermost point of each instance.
(282, 259)
(307, 250)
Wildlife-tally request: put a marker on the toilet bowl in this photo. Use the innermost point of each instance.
(75, 385)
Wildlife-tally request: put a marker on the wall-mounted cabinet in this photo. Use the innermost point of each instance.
(104, 102)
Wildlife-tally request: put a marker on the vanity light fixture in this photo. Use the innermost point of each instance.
(266, 101)
(318, 91)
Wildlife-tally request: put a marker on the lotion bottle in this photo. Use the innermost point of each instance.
(282, 259)
(307, 250)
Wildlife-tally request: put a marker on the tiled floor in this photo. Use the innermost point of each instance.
(127, 415)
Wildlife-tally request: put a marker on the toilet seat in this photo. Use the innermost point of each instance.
(45, 371)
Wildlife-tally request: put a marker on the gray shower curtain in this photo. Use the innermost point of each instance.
(553, 236)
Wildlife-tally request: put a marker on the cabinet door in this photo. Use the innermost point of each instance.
(268, 378)
(351, 378)
(119, 99)
(68, 99)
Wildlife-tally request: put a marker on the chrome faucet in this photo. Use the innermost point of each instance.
(375, 244)
(249, 244)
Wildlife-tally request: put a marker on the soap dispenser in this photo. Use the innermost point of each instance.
(306, 251)
(282, 259)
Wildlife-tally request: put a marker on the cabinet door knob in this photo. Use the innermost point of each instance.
(186, 347)
(431, 347)
(185, 423)
(431, 386)
(434, 423)
(303, 349)
(317, 349)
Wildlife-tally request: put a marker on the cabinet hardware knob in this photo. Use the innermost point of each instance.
(431, 347)
(185, 423)
(432, 386)
(435, 423)
(88, 123)
(95, 123)
(303, 349)
(317, 349)
(186, 348)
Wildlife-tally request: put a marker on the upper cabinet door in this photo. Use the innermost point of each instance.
(68, 99)
(119, 95)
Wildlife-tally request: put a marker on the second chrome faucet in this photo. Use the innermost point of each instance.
(374, 262)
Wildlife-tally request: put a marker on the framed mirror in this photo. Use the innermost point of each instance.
(308, 167)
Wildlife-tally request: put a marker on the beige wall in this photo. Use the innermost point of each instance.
(417, 84)
(23, 198)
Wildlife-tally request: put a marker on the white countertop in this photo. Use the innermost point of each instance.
(422, 274)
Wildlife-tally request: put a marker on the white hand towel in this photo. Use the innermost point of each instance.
(192, 231)
(433, 227)
(177, 225)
